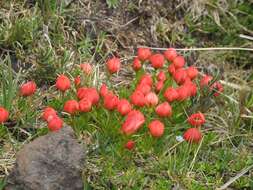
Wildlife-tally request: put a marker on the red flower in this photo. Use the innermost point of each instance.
(179, 62)
(28, 88)
(217, 87)
(62, 83)
(196, 119)
(192, 72)
(157, 60)
(193, 135)
(171, 69)
(144, 88)
(113, 65)
(205, 80)
(170, 54)
(164, 109)
(55, 124)
(71, 107)
(151, 99)
(146, 79)
(129, 145)
(49, 113)
(134, 120)
(85, 105)
(161, 76)
(4, 115)
(136, 64)
(184, 92)
(111, 101)
(180, 76)
(138, 98)
(171, 94)
(192, 88)
(124, 107)
(159, 85)
(77, 81)
(86, 68)
(143, 53)
(89, 93)
(156, 128)
(103, 90)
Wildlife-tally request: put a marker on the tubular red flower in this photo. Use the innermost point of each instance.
(184, 92)
(138, 98)
(161, 76)
(4, 115)
(171, 94)
(144, 88)
(156, 128)
(85, 105)
(192, 72)
(111, 101)
(55, 124)
(218, 88)
(159, 86)
(151, 99)
(62, 83)
(193, 135)
(146, 79)
(171, 69)
(143, 53)
(89, 93)
(136, 64)
(124, 107)
(179, 62)
(170, 54)
(77, 81)
(28, 88)
(196, 119)
(157, 60)
(71, 107)
(103, 90)
(134, 120)
(129, 145)
(180, 76)
(86, 68)
(113, 65)
(205, 80)
(164, 110)
(49, 113)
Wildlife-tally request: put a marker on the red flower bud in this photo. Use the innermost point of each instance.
(218, 88)
(89, 93)
(71, 107)
(179, 62)
(193, 135)
(103, 90)
(136, 64)
(124, 107)
(180, 76)
(161, 76)
(151, 99)
(164, 109)
(144, 88)
(28, 88)
(159, 85)
(170, 54)
(4, 115)
(49, 113)
(146, 79)
(138, 98)
(86, 68)
(171, 69)
(134, 120)
(111, 101)
(184, 92)
(192, 72)
(62, 83)
(205, 80)
(196, 119)
(113, 65)
(157, 60)
(171, 94)
(143, 53)
(192, 88)
(129, 145)
(85, 105)
(156, 128)
(55, 124)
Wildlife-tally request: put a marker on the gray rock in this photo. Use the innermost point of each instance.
(50, 162)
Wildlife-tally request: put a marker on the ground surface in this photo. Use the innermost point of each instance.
(40, 39)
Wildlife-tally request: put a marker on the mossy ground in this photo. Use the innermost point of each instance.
(40, 39)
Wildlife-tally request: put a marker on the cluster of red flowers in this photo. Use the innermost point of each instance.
(172, 82)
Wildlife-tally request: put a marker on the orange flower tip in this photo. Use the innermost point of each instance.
(28, 88)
